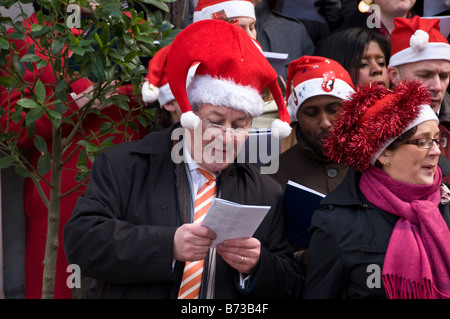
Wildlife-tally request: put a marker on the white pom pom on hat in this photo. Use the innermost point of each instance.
(156, 85)
(149, 92)
(419, 40)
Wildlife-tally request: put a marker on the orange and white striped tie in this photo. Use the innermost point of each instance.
(193, 271)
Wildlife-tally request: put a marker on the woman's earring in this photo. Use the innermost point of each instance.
(386, 163)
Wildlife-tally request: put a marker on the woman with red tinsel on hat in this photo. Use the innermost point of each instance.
(384, 232)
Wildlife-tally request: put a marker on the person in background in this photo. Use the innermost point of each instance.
(384, 23)
(281, 34)
(136, 229)
(239, 12)
(364, 54)
(384, 232)
(317, 87)
(420, 52)
(156, 91)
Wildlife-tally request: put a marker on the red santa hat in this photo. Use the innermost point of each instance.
(223, 10)
(373, 118)
(156, 84)
(310, 76)
(417, 39)
(216, 62)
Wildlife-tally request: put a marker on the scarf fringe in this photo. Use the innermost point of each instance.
(397, 287)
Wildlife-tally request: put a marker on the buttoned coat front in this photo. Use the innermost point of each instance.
(122, 229)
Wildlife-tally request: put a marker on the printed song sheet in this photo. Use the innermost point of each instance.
(231, 220)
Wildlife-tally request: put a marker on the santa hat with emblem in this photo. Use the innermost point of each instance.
(215, 62)
(310, 76)
(417, 39)
(373, 118)
(156, 85)
(223, 10)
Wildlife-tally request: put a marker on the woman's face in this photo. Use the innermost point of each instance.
(248, 24)
(373, 66)
(410, 164)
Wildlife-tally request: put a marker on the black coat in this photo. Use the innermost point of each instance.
(348, 244)
(122, 229)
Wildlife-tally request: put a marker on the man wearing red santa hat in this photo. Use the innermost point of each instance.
(156, 90)
(137, 230)
(240, 12)
(420, 52)
(317, 87)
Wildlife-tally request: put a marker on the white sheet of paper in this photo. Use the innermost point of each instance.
(432, 7)
(231, 220)
(444, 24)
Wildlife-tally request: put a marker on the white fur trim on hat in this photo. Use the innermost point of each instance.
(189, 120)
(313, 87)
(432, 51)
(280, 129)
(149, 92)
(232, 9)
(165, 95)
(221, 92)
(426, 114)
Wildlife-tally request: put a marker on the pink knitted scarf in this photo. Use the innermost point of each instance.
(417, 262)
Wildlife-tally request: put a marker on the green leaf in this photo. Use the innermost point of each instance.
(4, 44)
(54, 116)
(82, 175)
(91, 148)
(18, 65)
(44, 162)
(40, 91)
(40, 143)
(99, 41)
(6, 81)
(36, 27)
(27, 103)
(30, 58)
(82, 162)
(158, 3)
(23, 172)
(34, 115)
(6, 162)
(57, 46)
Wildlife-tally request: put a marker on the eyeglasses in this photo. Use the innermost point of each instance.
(426, 143)
(216, 129)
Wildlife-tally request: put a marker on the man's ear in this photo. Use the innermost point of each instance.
(169, 106)
(394, 75)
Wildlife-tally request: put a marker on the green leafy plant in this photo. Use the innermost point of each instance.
(106, 46)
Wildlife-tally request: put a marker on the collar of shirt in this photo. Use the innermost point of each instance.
(197, 178)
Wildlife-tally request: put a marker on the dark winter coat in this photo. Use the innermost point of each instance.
(349, 239)
(122, 229)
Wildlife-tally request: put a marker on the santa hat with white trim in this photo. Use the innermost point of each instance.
(215, 62)
(156, 85)
(417, 39)
(311, 76)
(223, 10)
(373, 118)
